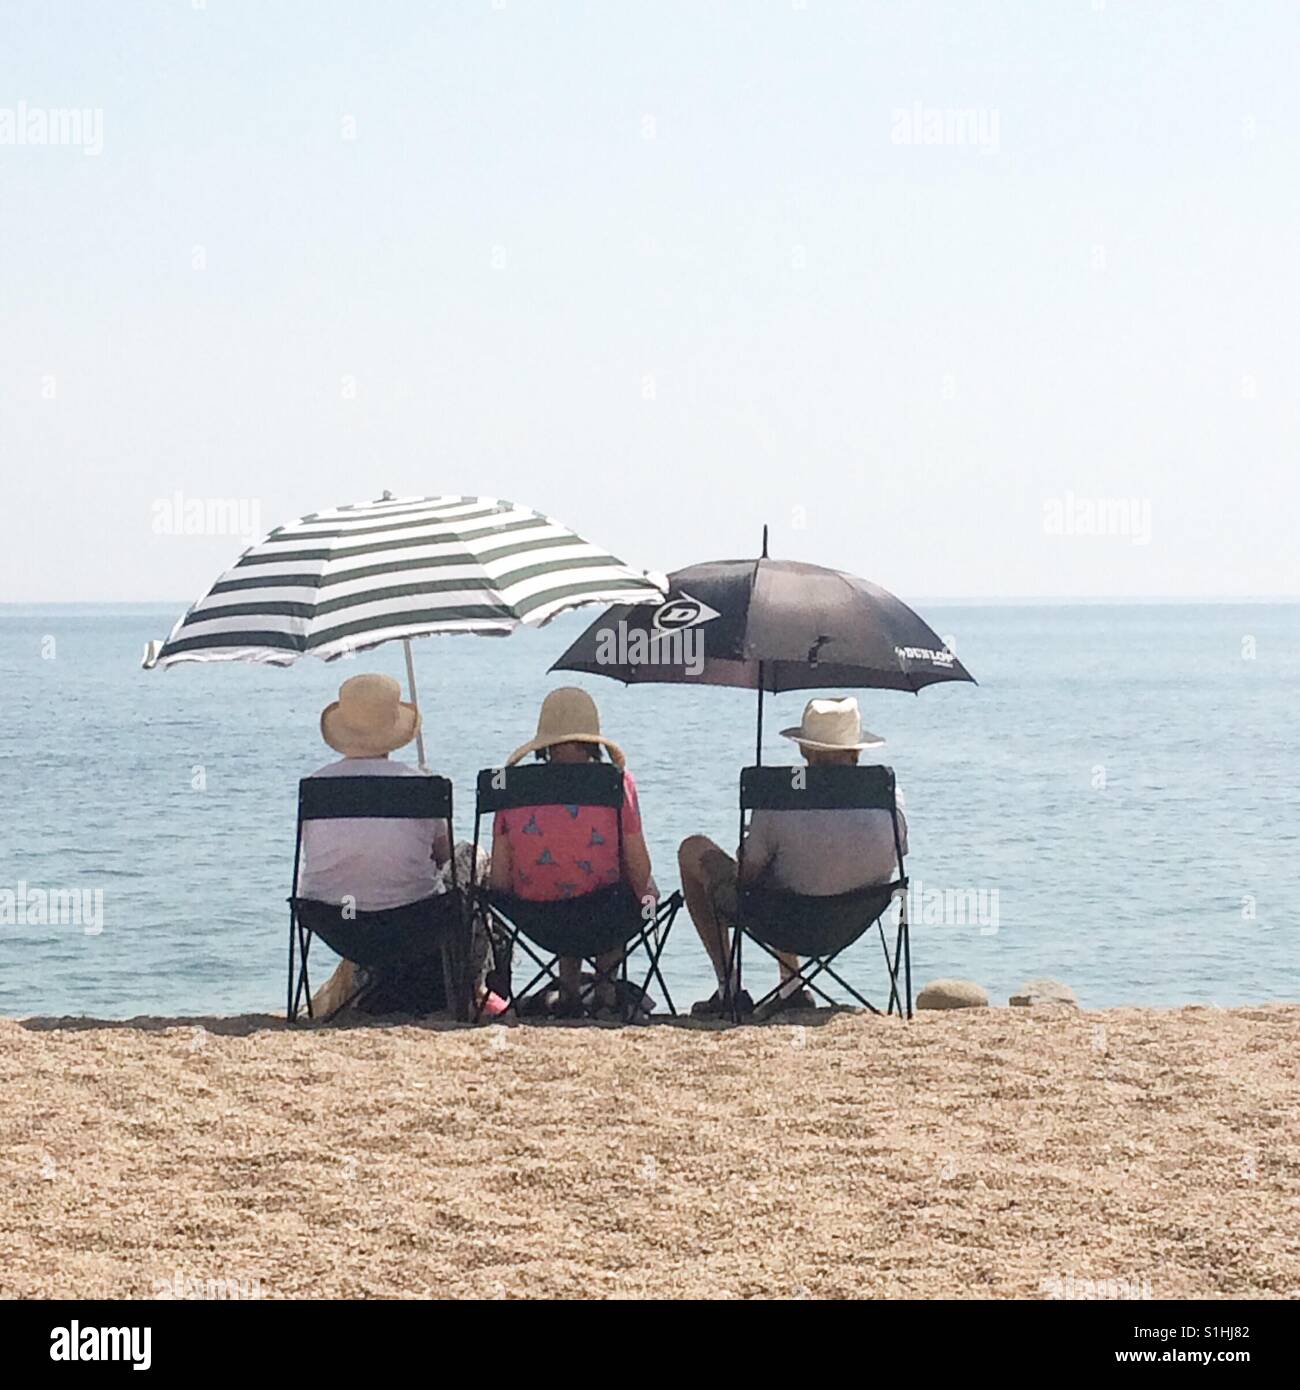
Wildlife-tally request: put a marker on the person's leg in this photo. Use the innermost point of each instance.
(606, 977)
(482, 947)
(570, 978)
(705, 869)
(341, 988)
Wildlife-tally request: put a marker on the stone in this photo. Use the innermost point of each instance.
(953, 994)
(1044, 991)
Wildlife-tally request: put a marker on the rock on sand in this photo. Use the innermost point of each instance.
(953, 994)
(1044, 991)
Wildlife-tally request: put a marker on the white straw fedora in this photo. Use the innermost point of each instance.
(369, 718)
(832, 726)
(568, 715)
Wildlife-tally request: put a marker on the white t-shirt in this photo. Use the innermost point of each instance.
(823, 853)
(374, 864)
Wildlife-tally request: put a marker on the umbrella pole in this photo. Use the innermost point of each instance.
(758, 739)
(415, 700)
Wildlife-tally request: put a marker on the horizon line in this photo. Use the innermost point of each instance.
(937, 599)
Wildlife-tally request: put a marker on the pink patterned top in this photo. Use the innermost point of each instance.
(565, 851)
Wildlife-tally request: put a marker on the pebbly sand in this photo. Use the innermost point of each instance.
(1001, 1152)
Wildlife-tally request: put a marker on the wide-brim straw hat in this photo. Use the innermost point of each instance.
(369, 718)
(833, 726)
(568, 715)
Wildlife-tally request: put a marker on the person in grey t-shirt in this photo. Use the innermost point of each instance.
(817, 853)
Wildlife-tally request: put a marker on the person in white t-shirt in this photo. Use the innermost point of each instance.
(814, 853)
(374, 865)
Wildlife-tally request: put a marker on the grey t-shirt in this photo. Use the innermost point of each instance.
(822, 853)
(376, 863)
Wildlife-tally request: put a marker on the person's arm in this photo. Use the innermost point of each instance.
(502, 873)
(636, 856)
(758, 850)
(637, 863)
(441, 843)
(305, 858)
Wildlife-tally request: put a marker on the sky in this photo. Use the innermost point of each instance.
(972, 299)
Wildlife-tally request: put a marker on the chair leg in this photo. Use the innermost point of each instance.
(662, 927)
(457, 949)
(807, 977)
(451, 981)
(304, 983)
(289, 1011)
(906, 928)
(848, 988)
(653, 939)
(298, 983)
(903, 955)
(734, 982)
(547, 969)
(627, 1011)
(891, 969)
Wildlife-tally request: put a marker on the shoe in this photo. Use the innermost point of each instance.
(493, 1006)
(800, 999)
(717, 1005)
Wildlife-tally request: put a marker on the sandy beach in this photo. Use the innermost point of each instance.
(987, 1153)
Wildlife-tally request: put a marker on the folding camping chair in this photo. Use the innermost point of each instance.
(587, 925)
(820, 928)
(418, 939)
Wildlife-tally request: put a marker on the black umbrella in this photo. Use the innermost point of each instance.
(766, 625)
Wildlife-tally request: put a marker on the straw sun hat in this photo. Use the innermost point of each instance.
(569, 715)
(369, 718)
(831, 726)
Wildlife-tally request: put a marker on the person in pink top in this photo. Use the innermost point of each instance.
(548, 853)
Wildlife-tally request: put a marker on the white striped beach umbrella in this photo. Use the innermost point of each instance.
(350, 578)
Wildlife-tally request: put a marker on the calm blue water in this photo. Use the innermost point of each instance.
(1131, 891)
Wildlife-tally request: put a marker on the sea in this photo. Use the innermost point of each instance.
(1115, 805)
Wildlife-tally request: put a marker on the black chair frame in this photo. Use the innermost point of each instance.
(567, 784)
(809, 788)
(379, 798)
